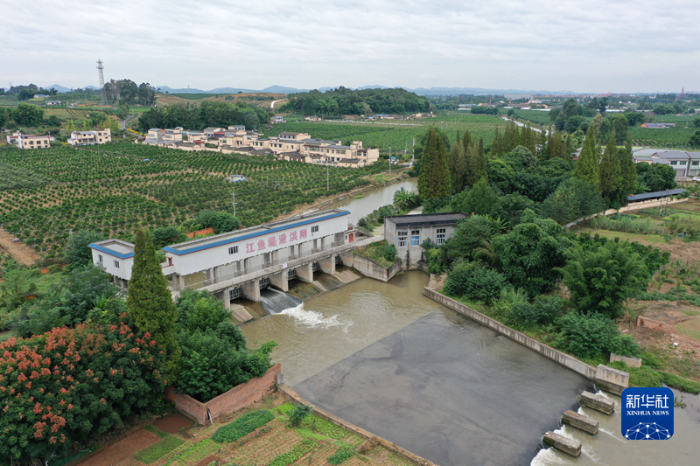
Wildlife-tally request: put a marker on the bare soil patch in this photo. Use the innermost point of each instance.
(207, 460)
(122, 449)
(19, 251)
(172, 423)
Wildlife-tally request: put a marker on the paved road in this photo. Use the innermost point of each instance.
(523, 124)
(125, 122)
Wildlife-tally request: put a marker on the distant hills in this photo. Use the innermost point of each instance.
(433, 91)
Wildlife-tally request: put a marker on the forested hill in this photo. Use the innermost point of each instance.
(344, 101)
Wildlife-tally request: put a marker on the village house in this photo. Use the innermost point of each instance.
(408, 232)
(686, 164)
(29, 141)
(88, 138)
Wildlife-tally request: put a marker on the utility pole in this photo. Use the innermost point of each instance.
(234, 204)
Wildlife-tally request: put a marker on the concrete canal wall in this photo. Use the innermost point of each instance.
(610, 379)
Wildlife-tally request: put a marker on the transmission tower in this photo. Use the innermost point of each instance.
(103, 96)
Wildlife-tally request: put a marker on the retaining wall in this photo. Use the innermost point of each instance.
(372, 269)
(295, 397)
(562, 358)
(237, 398)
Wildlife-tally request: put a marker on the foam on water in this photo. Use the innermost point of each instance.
(313, 319)
(547, 457)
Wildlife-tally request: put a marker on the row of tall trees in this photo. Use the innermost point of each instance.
(127, 91)
(217, 114)
(344, 101)
(613, 171)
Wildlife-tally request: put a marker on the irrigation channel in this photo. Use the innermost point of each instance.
(388, 359)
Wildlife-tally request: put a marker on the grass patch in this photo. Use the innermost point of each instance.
(654, 239)
(158, 450)
(285, 408)
(294, 454)
(374, 252)
(691, 313)
(340, 456)
(645, 376)
(157, 431)
(691, 332)
(199, 451)
(242, 426)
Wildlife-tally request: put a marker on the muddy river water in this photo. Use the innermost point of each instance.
(392, 361)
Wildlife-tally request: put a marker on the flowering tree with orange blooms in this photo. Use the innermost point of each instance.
(68, 384)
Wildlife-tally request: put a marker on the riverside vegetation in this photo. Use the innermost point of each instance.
(512, 259)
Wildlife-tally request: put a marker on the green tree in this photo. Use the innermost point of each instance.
(628, 172)
(78, 252)
(586, 167)
(609, 171)
(150, 302)
(694, 140)
(531, 254)
(573, 199)
(199, 310)
(457, 165)
(469, 235)
(589, 336)
(434, 178)
(480, 200)
(601, 277)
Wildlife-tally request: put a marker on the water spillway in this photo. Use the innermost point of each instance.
(275, 301)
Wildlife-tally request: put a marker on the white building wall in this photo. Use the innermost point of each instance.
(253, 248)
(109, 262)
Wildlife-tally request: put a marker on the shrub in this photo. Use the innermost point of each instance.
(545, 309)
(164, 236)
(243, 426)
(475, 282)
(507, 299)
(298, 414)
(221, 222)
(589, 336)
(389, 252)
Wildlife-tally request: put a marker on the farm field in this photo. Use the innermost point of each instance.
(117, 188)
(676, 137)
(253, 437)
(397, 134)
(535, 116)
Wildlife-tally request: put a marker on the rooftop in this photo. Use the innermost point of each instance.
(427, 219)
(115, 247)
(248, 233)
(655, 195)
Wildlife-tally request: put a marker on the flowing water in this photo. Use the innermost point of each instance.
(275, 301)
(372, 201)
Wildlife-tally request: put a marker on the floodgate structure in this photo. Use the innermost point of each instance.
(293, 146)
(240, 263)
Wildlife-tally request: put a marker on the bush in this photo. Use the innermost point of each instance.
(523, 315)
(77, 252)
(474, 282)
(298, 414)
(590, 336)
(164, 236)
(243, 426)
(507, 299)
(221, 222)
(389, 252)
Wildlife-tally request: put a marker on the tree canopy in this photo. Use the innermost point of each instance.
(344, 101)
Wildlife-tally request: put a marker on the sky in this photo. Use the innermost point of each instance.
(581, 46)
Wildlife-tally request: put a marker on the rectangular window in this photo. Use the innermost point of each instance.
(99, 258)
(695, 163)
(440, 236)
(674, 162)
(682, 162)
(415, 237)
(402, 238)
(314, 229)
(233, 250)
(116, 264)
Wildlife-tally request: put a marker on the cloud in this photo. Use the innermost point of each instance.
(540, 44)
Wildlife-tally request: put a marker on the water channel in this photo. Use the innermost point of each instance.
(375, 199)
(391, 343)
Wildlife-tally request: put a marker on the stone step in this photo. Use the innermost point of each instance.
(569, 446)
(597, 402)
(581, 422)
(240, 313)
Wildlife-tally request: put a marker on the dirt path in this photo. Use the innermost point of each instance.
(19, 251)
(122, 449)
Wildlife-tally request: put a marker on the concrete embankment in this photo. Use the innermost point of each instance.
(597, 402)
(609, 379)
(581, 421)
(567, 445)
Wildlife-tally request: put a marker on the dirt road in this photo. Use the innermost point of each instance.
(19, 251)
